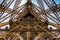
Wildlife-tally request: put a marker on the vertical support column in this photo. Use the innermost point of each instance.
(29, 1)
(29, 5)
(28, 36)
(28, 31)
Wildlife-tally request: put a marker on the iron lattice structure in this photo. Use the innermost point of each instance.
(29, 20)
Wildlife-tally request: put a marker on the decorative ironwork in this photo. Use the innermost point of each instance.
(29, 21)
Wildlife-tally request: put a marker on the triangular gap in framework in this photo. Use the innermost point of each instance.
(29, 15)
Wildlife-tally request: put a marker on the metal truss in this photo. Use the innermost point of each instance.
(20, 25)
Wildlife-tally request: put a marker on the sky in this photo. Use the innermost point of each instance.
(57, 1)
(33, 1)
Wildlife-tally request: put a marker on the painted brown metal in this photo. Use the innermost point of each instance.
(26, 22)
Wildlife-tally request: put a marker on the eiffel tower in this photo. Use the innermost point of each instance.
(29, 21)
